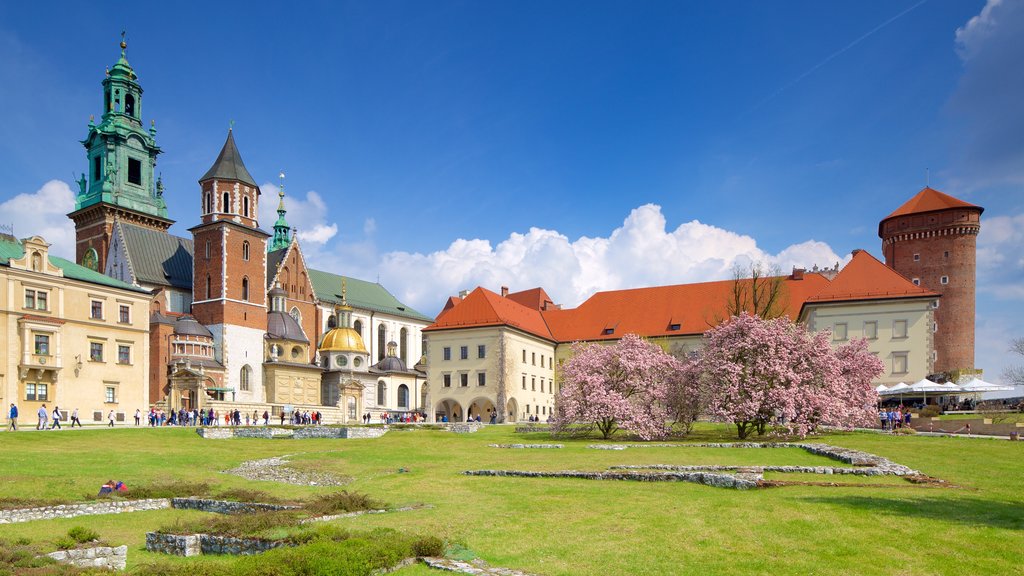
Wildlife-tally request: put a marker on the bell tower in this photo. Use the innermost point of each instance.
(119, 183)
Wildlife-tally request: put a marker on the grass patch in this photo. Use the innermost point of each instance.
(340, 503)
(258, 524)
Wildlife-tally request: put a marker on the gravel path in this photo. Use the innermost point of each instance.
(276, 469)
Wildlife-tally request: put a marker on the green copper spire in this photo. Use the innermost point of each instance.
(281, 239)
(121, 152)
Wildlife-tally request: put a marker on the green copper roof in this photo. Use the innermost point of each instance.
(360, 294)
(11, 248)
(229, 165)
(281, 228)
(158, 257)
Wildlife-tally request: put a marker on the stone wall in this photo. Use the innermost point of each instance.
(706, 478)
(173, 544)
(227, 506)
(266, 432)
(465, 427)
(342, 432)
(85, 509)
(196, 544)
(98, 557)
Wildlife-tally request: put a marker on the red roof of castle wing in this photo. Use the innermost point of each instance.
(866, 278)
(929, 200)
(654, 311)
(532, 298)
(485, 308)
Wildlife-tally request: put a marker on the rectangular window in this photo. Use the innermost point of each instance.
(481, 351)
(30, 299)
(899, 329)
(42, 300)
(935, 304)
(916, 281)
(533, 358)
(135, 171)
(674, 327)
(96, 351)
(945, 254)
(111, 395)
(464, 379)
(533, 384)
(447, 380)
(124, 354)
(524, 356)
(527, 408)
(42, 342)
(36, 392)
(839, 334)
(541, 360)
(481, 379)
(917, 257)
(871, 330)
(96, 310)
(463, 352)
(935, 326)
(944, 280)
(524, 381)
(447, 353)
(541, 384)
(97, 169)
(899, 363)
(124, 315)
(30, 392)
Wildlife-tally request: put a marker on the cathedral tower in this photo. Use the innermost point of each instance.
(931, 239)
(119, 183)
(229, 280)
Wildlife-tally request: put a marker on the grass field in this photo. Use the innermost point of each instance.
(567, 526)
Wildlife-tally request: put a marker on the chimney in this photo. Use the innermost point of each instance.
(463, 293)
(856, 251)
(798, 273)
(504, 291)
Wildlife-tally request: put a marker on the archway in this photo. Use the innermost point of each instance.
(481, 406)
(512, 410)
(450, 408)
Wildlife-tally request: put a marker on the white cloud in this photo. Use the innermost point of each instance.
(1001, 257)
(369, 226)
(44, 213)
(973, 34)
(641, 252)
(306, 215)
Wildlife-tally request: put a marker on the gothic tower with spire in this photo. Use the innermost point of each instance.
(229, 271)
(119, 183)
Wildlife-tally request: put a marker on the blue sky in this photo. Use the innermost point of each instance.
(576, 145)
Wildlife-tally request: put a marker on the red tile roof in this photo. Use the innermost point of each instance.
(485, 308)
(653, 311)
(866, 278)
(532, 298)
(929, 200)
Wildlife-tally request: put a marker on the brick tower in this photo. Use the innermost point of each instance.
(119, 184)
(229, 279)
(931, 239)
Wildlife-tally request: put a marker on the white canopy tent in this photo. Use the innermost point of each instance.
(978, 386)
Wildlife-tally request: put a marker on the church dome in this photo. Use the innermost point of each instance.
(189, 326)
(391, 364)
(343, 339)
(280, 325)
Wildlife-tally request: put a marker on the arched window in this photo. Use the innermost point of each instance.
(226, 203)
(209, 287)
(208, 203)
(403, 396)
(358, 327)
(245, 378)
(382, 336)
(245, 288)
(245, 206)
(129, 105)
(403, 346)
(294, 313)
(245, 250)
(382, 393)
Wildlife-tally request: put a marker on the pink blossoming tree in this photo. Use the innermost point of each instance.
(616, 386)
(759, 371)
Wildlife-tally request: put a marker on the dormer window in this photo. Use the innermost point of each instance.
(608, 331)
(674, 327)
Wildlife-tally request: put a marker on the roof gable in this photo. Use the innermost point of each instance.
(533, 298)
(360, 294)
(866, 278)
(13, 249)
(485, 308)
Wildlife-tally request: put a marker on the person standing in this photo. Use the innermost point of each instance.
(74, 418)
(42, 418)
(56, 418)
(110, 419)
(138, 416)
(12, 415)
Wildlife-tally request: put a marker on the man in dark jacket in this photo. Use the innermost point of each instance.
(13, 417)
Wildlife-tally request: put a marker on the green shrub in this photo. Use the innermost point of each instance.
(428, 546)
(257, 524)
(65, 543)
(341, 502)
(906, 430)
(929, 411)
(176, 489)
(82, 534)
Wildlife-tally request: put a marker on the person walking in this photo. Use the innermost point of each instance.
(12, 415)
(56, 418)
(74, 418)
(42, 418)
(110, 419)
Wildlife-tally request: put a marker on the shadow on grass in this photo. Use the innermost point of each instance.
(969, 511)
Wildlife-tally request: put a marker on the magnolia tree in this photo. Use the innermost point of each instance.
(623, 385)
(757, 371)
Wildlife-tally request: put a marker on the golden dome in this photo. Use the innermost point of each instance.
(343, 339)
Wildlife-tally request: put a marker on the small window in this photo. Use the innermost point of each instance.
(945, 254)
(524, 356)
(30, 299)
(110, 397)
(36, 392)
(225, 203)
(129, 105)
(124, 315)
(245, 206)
(916, 281)
(96, 351)
(899, 329)
(245, 378)
(481, 351)
(839, 332)
(245, 250)
(944, 280)
(917, 257)
(935, 326)
(447, 353)
(935, 304)
(463, 352)
(96, 310)
(481, 379)
(208, 203)
(674, 327)
(524, 381)
(871, 330)
(541, 384)
(464, 379)
(541, 360)
(42, 345)
(245, 288)
(447, 380)
(97, 168)
(124, 354)
(533, 384)
(608, 331)
(533, 358)
(135, 171)
(899, 363)
(209, 286)
(382, 393)
(207, 249)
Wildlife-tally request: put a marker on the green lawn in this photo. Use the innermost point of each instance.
(567, 526)
(998, 417)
